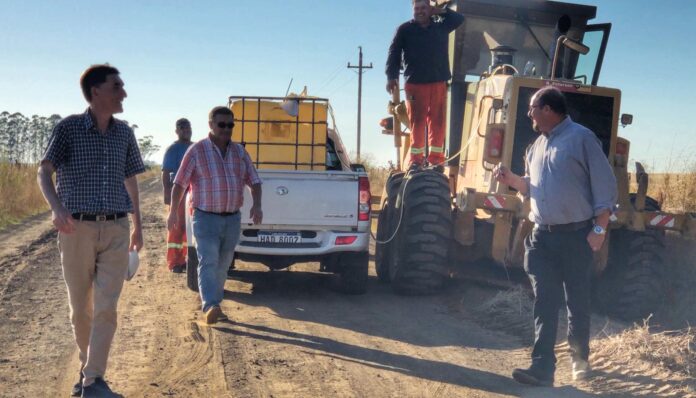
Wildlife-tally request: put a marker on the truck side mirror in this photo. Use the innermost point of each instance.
(358, 167)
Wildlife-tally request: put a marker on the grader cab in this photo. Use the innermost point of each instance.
(503, 52)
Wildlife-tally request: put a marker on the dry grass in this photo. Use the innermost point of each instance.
(510, 310)
(21, 195)
(675, 191)
(672, 351)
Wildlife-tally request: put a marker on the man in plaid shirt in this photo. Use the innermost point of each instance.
(216, 170)
(96, 159)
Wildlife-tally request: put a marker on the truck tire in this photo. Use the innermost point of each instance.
(352, 273)
(418, 262)
(192, 269)
(633, 286)
(386, 223)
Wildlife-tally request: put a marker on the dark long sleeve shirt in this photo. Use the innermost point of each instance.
(424, 50)
(569, 178)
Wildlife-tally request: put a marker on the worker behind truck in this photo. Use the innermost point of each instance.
(423, 44)
(176, 237)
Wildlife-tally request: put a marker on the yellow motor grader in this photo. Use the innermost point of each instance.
(504, 52)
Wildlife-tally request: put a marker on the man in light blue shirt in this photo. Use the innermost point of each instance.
(176, 238)
(572, 190)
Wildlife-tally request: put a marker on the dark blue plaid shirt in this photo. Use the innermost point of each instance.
(91, 167)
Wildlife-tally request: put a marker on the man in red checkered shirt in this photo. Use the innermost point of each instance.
(217, 170)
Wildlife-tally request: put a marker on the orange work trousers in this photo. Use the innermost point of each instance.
(176, 241)
(425, 104)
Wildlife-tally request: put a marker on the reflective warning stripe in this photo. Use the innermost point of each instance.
(497, 202)
(417, 151)
(437, 149)
(662, 221)
(176, 245)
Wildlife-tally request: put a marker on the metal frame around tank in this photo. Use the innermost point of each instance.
(244, 99)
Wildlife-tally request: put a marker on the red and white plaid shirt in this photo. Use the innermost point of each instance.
(217, 183)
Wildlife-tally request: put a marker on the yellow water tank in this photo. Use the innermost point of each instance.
(275, 139)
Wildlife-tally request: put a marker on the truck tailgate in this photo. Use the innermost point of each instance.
(312, 198)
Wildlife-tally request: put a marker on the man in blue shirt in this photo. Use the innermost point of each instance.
(572, 191)
(176, 237)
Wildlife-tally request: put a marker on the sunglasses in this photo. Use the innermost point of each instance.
(223, 125)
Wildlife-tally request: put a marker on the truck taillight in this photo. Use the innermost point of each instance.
(345, 240)
(387, 123)
(493, 146)
(364, 198)
(496, 146)
(621, 148)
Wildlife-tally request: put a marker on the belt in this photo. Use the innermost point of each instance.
(574, 226)
(98, 217)
(224, 213)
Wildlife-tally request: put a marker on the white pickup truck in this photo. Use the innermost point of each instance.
(320, 214)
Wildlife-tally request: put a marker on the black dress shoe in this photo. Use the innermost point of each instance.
(98, 389)
(533, 376)
(178, 269)
(77, 388)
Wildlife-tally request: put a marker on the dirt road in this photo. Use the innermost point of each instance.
(289, 334)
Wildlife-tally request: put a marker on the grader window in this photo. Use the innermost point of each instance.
(592, 111)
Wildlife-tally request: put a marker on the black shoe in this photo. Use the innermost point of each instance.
(533, 376)
(439, 168)
(77, 388)
(98, 389)
(413, 167)
(178, 269)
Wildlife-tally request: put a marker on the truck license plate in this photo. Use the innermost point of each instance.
(279, 237)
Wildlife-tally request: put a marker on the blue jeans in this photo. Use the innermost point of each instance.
(216, 238)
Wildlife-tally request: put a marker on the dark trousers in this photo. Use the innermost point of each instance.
(558, 263)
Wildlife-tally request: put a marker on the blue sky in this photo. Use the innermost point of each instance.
(179, 59)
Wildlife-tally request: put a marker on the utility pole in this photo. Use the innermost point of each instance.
(360, 68)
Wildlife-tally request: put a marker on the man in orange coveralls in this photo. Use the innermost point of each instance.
(423, 42)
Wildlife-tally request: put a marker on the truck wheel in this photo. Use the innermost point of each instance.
(633, 286)
(352, 274)
(418, 262)
(386, 226)
(192, 269)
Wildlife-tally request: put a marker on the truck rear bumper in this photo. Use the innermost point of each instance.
(313, 243)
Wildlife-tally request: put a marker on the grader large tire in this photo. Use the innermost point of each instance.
(633, 285)
(386, 223)
(418, 258)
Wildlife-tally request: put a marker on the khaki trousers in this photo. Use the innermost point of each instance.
(94, 259)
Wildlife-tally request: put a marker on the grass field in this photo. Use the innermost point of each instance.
(21, 195)
(675, 192)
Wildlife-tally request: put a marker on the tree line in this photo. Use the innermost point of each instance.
(23, 139)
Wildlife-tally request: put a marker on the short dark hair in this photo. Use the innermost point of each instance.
(182, 122)
(554, 98)
(94, 76)
(219, 110)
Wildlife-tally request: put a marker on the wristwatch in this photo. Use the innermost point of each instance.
(597, 229)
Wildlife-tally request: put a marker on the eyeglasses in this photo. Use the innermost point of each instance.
(223, 125)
